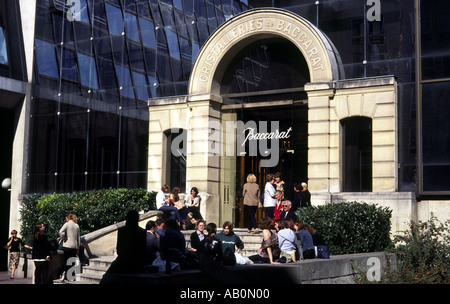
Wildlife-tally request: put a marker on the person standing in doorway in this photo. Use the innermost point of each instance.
(269, 195)
(279, 183)
(70, 233)
(251, 199)
(306, 196)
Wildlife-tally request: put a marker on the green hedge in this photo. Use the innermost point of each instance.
(94, 209)
(350, 227)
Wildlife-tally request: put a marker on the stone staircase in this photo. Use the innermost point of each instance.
(93, 273)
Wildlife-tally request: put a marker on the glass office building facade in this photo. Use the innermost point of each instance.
(76, 81)
(95, 72)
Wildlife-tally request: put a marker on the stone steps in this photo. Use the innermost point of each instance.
(93, 273)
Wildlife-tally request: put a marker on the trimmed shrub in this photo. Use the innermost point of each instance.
(94, 209)
(350, 227)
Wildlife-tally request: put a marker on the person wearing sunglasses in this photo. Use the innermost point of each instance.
(287, 212)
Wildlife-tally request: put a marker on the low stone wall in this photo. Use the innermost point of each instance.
(103, 242)
(339, 269)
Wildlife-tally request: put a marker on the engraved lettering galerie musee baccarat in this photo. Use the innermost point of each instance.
(251, 27)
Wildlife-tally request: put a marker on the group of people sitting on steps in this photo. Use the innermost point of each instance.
(185, 210)
(143, 250)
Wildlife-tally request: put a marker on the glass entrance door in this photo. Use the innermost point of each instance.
(291, 153)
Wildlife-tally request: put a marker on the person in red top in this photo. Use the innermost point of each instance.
(278, 207)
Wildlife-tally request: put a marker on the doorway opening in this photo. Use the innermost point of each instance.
(292, 154)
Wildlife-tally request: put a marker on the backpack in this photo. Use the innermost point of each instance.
(228, 259)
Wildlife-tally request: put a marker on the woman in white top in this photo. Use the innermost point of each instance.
(269, 196)
(70, 233)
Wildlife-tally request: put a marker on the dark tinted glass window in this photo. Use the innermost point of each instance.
(46, 58)
(148, 33)
(88, 71)
(69, 68)
(172, 42)
(115, 19)
(436, 136)
(132, 27)
(435, 30)
(124, 78)
(141, 86)
(3, 48)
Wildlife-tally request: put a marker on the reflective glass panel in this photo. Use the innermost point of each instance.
(148, 33)
(68, 64)
(436, 136)
(115, 19)
(88, 72)
(3, 52)
(46, 58)
(141, 86)
(123, 75)
(132, 27)
(172, 41)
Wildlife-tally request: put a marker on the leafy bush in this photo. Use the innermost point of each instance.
(94, 209)
(422, 254)
(350, 227)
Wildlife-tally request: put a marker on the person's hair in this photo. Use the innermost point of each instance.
(300, 225)
(304, 185)
(281, 223)
(171, 224)
(211, 228)
(13, 231)
(278, 174)
(72, 217)
(298, 186)
(287, 202)
(279, 192)
(266, 223)
(176, 190)
(195, 190)
(310, 229)
(176, 197)
(132, 218)
(289, 223)
(200, 221)
(228, 224)
(251, 178)
(165, 188)
(37, 231)
(159, 221)
(150, 224)
(269, 177)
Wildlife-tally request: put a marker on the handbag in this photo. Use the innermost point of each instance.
(322, 252)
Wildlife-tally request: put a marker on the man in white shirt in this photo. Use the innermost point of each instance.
(161, 196)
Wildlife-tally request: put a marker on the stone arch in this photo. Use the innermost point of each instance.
(244, 29)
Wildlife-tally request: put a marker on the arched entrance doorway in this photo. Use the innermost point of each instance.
(218, 87)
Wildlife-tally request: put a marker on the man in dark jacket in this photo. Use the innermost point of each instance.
(229, 239)
(287, 212)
